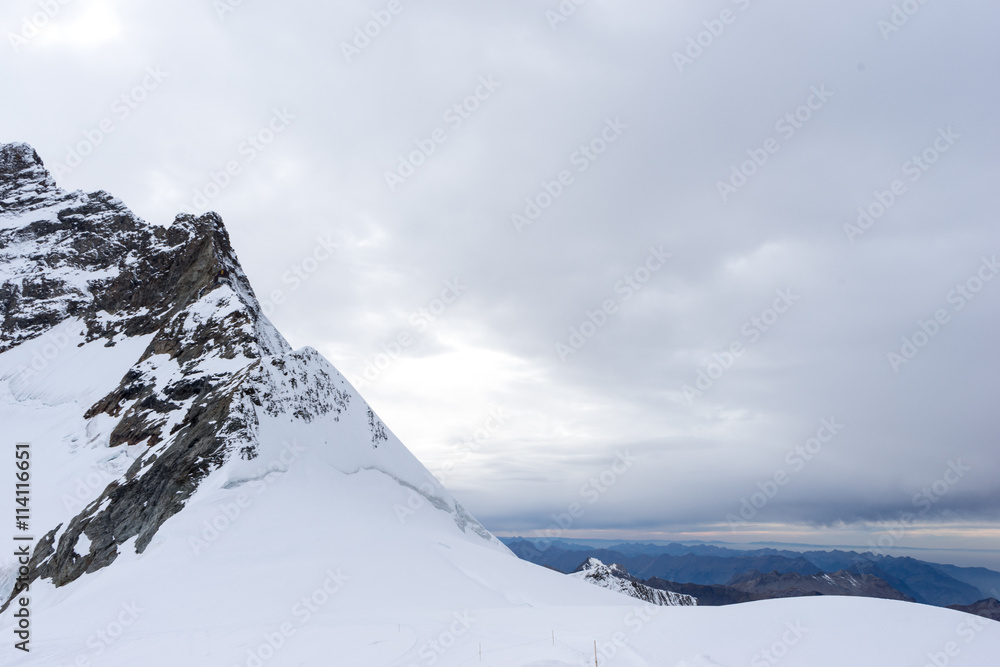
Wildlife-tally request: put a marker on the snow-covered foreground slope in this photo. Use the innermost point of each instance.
(315, 564)
(318, 570)
(205, 496)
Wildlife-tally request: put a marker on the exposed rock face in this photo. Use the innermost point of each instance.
(25, 184)
(88, 256)
(708, 595)
(213, 363)
(616, 578)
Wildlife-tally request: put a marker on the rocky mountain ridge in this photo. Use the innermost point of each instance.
(84, 271)
(616, 578)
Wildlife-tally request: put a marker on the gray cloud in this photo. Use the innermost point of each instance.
(324, 177)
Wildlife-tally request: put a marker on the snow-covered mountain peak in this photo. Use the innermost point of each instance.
(195, 384)
(616, 578)
(25, 183)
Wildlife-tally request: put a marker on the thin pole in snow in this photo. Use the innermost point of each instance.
(595, 653)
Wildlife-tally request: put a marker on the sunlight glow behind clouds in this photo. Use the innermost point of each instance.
(495, 347)
(93, 24)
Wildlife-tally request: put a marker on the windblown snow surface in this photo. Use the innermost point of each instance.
(333, 546)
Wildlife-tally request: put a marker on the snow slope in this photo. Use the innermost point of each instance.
(212, 497)
(384, 592)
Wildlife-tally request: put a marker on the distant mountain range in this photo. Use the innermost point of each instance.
(747, 587)
(792, 584)
(718, 575)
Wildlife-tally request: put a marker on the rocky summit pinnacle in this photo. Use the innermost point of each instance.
(88, 256)
(25, 183)
(17, 157)
(80, 272)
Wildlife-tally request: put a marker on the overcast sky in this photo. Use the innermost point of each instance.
(673, 182)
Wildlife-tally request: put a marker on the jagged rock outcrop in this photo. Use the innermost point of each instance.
(708, 595)
(212, 366)
(616, 578)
